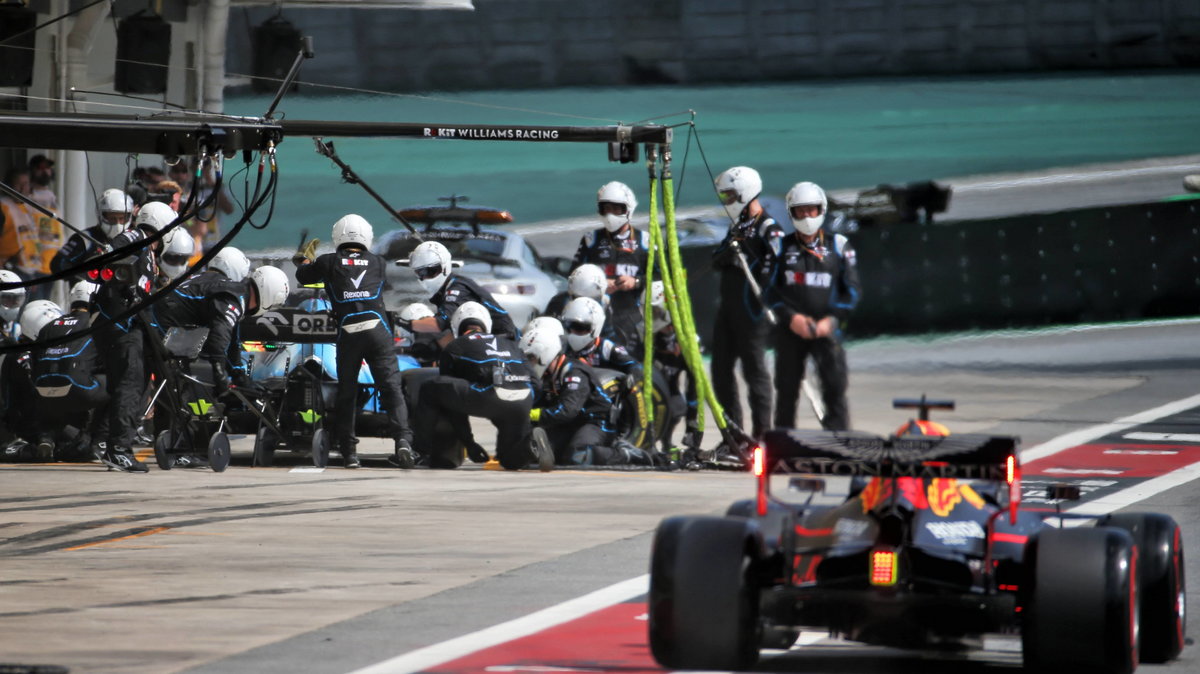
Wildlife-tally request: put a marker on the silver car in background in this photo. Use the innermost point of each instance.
(501, 261)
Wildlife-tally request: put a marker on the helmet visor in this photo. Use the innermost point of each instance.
(12, 299)
(115, 217)
(613, 208)
(579, 328)
(805, 211)
(176, 259)
(728, 197)
(428, 271)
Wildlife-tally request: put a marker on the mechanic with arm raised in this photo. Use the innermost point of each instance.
(813, 288)
(354, 278)
(116, 210)
(481, 375)
(430, 261)
(573, 411)
(740, 329)
(622, 252)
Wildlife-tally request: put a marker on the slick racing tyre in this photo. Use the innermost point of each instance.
(1080, 608)
(1160, 578)
(631, 415)
(703, 603)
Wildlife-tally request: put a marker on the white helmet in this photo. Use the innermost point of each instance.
(430, 261)
(272, 286)
(154, 215)
(82, 292)
(36, 315)
(806, 194)
(541, 347)
(660, 317)
(587, 280)
(583, 318)
(411, 312)
(352, 229)
(114, 203)
(737, 187)
(231, 262)
(177, 249)
(616, 193)
(470, 311)
(545, 324)
(12, 298)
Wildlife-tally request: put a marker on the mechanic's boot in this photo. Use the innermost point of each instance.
(476, 452)
(122, 458)
(188, 461)
(45, 448)
(16, 451)
(404, 457)
(543, 453)
(632, 454)
(350, 460)
(100, 450)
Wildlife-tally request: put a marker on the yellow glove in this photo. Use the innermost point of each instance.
(307, 252)
(535, 414)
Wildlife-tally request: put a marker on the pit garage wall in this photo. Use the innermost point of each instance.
(545, 43)
(1089, 265)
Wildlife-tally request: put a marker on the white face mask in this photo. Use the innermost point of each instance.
(111, 231)
(578, 342)
(433, 284)
(614, 222)
(808, 226)
(734, 210)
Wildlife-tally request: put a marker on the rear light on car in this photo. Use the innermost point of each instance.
(883, 568)
(1012, 475)
(758, 466)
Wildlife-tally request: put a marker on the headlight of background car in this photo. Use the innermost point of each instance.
(503, 288)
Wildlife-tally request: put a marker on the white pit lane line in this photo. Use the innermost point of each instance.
(424, 658)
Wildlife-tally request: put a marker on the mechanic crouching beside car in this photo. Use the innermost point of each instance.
(481, 375)
(353, 278)
(430, 261)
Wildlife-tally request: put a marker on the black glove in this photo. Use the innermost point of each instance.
(220, 378)
(241, 379)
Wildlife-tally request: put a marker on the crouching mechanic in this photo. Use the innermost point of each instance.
(353, 278)
(482, 375)
(20, 399)
(573, 411)
(69, 383)
(430, 261)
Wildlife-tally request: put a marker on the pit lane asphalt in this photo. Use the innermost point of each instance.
(268, 570)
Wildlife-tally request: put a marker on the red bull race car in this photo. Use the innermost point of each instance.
(927, 547)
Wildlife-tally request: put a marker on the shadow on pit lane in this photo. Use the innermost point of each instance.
(852, 658)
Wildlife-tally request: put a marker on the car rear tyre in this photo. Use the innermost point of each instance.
(1080, 607)
(1161, 585)
(703, 597)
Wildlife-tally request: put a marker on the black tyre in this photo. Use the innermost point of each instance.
(264, 447)
(162, 450)
(320, 448)
(703, 601)
(632, 422)
(1080, 608)
(1161, 585)
(219, 452)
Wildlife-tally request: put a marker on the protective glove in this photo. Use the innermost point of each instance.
(307, 252)
(220, 378)
(241, 379)
(535, 414)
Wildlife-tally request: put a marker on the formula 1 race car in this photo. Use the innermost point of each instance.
(927, 548)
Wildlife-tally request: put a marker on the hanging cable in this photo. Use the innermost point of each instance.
(51, 22)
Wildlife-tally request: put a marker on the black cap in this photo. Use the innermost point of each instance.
(39, 159)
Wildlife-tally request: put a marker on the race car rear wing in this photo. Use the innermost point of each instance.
(856, 454)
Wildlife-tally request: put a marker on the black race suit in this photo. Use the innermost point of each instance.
(459, 290)
(121, 343)
(353, 280)
(620, 255)
(740, 331)
(68, 380)
(485, 376)
(817, 280)
(575, 414)
(77, 250)
(209, 300)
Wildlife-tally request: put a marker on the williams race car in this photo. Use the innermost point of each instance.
(927, 548)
